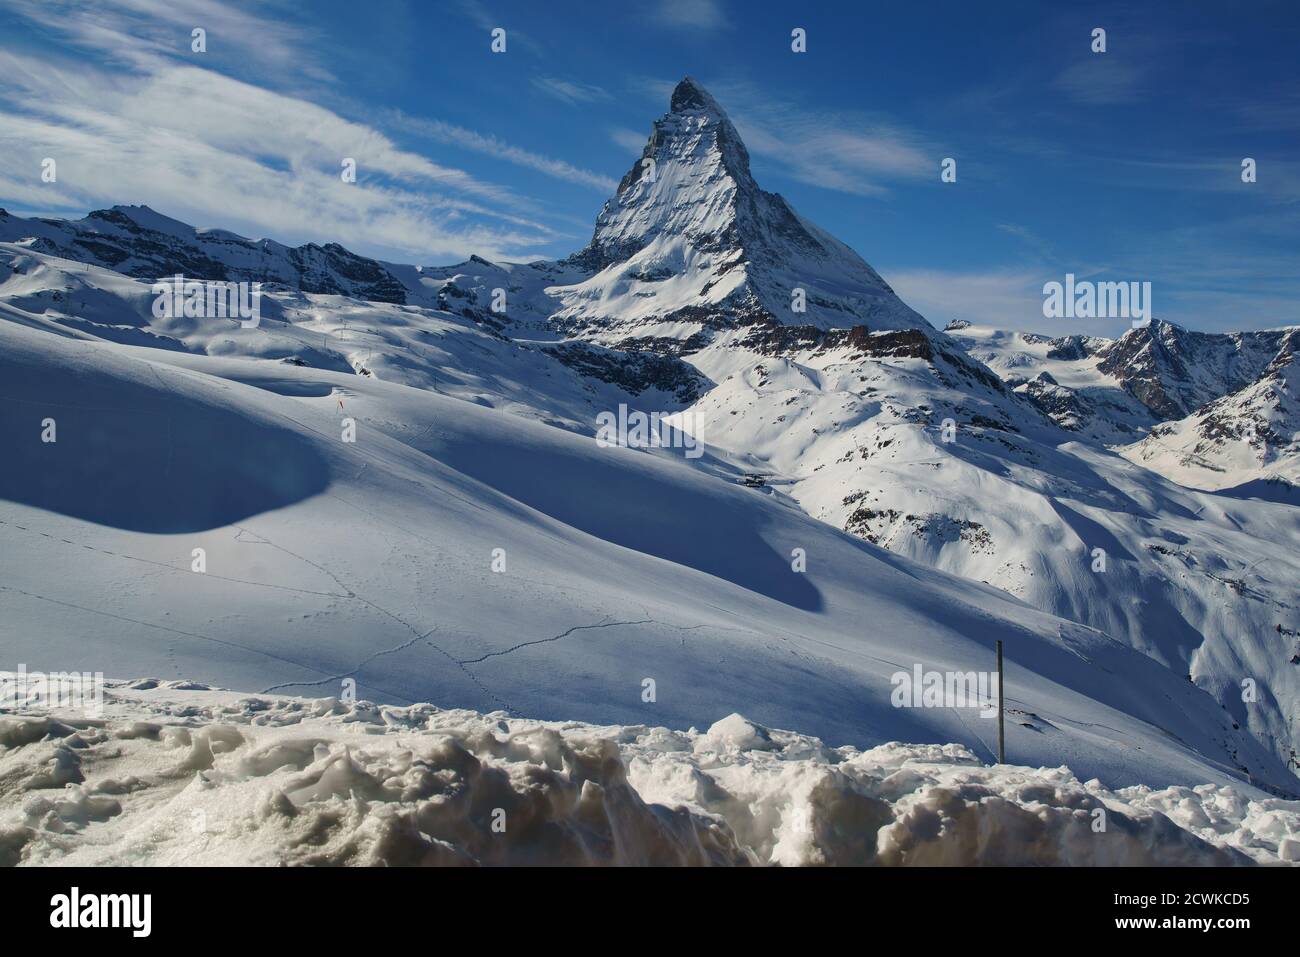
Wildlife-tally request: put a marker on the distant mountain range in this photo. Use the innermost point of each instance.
(1209, 410)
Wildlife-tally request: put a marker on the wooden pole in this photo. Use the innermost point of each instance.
(1002, 741)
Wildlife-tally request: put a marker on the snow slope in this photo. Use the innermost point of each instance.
(1061, 377)
(174, 774)
(328, 559)
(373, 559)
(855, 435)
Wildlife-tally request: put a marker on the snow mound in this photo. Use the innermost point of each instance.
(167, 774)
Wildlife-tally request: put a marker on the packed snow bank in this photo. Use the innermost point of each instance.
(168, 773)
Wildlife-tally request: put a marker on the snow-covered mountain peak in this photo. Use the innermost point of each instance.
(685, 182)
(690, 242)
(689, 95)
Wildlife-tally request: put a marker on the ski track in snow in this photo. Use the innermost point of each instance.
(544, 641)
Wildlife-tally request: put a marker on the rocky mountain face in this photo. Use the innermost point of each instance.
(1066, 407)
(1174, 371)
(690, 243)
(1248, 439)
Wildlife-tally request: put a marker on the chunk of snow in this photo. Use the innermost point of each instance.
(173, 775)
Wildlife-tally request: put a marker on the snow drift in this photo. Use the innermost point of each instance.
(171, 773)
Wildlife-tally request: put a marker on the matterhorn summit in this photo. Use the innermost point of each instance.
(691, 242)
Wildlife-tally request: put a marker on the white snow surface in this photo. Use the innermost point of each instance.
(1205, 584)
(374, 560)
(172, 773)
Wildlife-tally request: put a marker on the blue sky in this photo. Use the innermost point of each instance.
(1122, 166)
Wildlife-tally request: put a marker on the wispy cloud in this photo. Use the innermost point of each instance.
(122, 126)
(260, 158)
(1137, 60)
(1101, 80)
(137, 32)
(1008, 299)
(1276, 109)
(570, 91)
(492, 146)
(653, 88)
(690, 14)
(848, 153)
(629, 140)
(487, 21)
(1037, 244)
